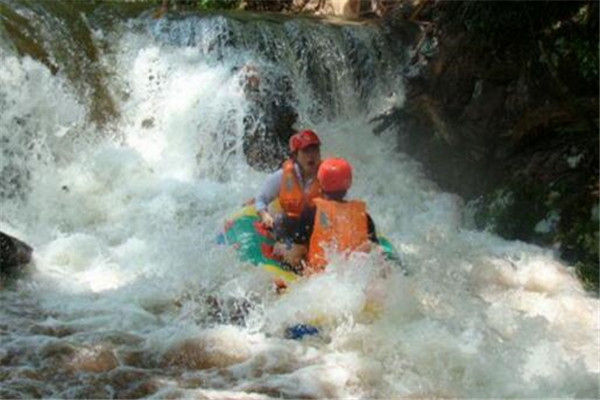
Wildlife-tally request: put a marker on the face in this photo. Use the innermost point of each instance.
(309, 159)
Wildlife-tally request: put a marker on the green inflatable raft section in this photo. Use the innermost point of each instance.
(254, 243)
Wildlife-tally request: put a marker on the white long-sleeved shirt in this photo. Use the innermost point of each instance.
(271, 187)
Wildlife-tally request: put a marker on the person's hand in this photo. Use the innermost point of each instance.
(279, 285)
(295, 255)
(266, 219)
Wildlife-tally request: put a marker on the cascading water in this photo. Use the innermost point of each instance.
(131, 297)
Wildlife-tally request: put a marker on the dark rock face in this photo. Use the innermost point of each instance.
(270, 121)
(14, 255)
(493, 115)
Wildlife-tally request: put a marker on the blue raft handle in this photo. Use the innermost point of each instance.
(297, 332)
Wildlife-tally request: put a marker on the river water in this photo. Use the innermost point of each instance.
(129, 295)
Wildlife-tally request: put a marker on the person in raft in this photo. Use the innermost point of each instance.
(295, 183)
(334, 223)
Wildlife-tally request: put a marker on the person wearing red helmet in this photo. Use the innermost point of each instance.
(295, 183)
(334, 221)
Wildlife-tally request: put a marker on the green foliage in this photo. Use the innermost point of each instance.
(217, 4)
(582, 241)
(512, 22)
(584, 53)
(492, 20)
(513, 212)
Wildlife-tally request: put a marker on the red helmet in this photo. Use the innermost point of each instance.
(335, 175)
(303, 139)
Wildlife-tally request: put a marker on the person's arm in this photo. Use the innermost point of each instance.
(268, 192)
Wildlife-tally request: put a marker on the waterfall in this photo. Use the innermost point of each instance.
(122, 154)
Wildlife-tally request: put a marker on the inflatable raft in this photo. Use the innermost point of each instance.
(254, 243)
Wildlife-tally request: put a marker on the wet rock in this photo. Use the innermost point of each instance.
(270, 118)
(9, 374)
(137, 358)
(58, 331)
(6, 393)
(27, 373)
(4, 373)
(123, 338)
(72, 358)
(148, 123)
(173, 394)
(16, 356)
(27, 388)
(140, 390)
(57, 351)
(130, 382)
(217, 348)
(4, 358)
(95, 359)
(125, 377)
(14, 255)
(268, 127)
(96, 391)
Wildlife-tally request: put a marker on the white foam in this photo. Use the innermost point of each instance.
(124, 232)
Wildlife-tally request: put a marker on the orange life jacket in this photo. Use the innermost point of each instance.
(291, 196)
(341, 226)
